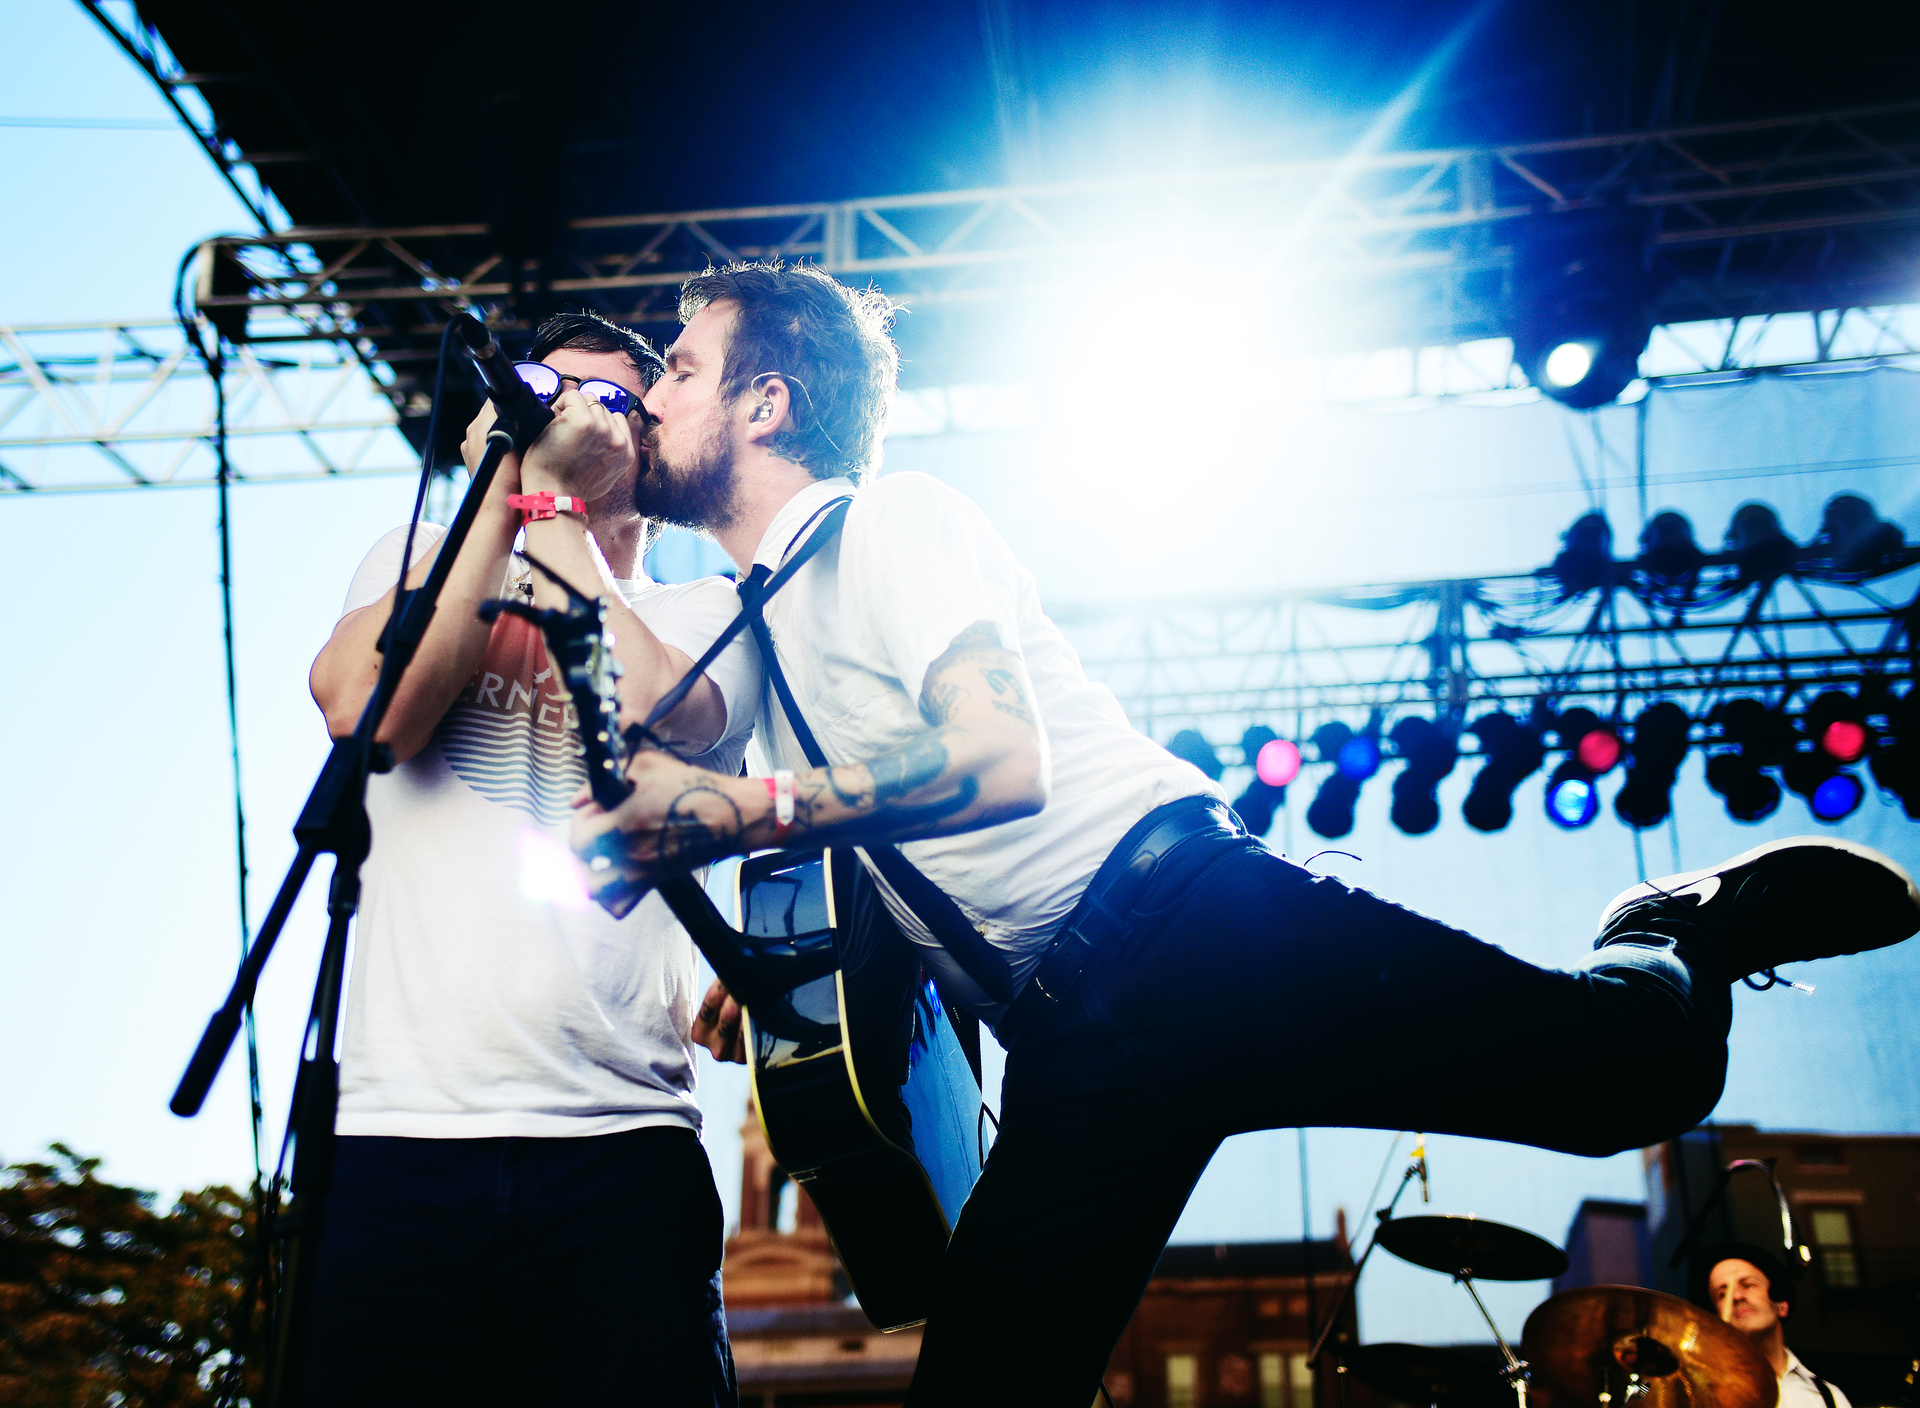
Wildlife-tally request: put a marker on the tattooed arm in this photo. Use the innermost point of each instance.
(978, 763)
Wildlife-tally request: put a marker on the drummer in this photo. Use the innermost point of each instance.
(1752, 1291)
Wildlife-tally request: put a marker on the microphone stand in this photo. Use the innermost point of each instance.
(1353, 1281)
(334, 822)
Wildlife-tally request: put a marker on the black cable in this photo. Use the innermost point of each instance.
(215, 362)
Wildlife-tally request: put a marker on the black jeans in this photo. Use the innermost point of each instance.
(1255, 996)
(521, 1271)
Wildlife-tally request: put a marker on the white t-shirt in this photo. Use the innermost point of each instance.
(915, 565)
(490, 997)
(1798, 1389)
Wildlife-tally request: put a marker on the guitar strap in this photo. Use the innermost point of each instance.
(980, 960)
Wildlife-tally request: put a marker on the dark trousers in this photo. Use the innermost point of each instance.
(1258, 996)
(520, 1271)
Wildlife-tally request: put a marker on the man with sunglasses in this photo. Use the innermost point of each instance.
(522, 1211)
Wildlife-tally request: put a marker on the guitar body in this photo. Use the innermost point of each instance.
(863, 1090)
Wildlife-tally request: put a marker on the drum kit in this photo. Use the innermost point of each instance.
(1593, 1347)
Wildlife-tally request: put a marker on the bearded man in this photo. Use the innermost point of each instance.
(1117, 922)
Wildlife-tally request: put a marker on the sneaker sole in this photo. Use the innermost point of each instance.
(1669, 883)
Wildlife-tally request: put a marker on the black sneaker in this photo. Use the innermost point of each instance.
(1785, 902)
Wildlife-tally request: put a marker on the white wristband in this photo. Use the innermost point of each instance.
(783, 796)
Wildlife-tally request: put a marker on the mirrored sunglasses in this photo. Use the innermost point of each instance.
(545, 383)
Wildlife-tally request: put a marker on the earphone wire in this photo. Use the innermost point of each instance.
(812, 411)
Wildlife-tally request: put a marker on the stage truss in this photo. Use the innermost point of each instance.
(1453, 650)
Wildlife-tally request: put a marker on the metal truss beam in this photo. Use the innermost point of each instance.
(1429, 230)
(118, 405)
(1452, 650)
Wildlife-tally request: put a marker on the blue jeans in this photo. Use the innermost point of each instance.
(520, 1271)
(1254, 995)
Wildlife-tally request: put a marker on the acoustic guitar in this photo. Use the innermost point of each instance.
(866, 1097)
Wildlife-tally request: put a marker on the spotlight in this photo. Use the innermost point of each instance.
(1580, 284)
(1573, 797)
(1659, 746)
(1854, 536)
(1759, 544)
(1759, 737)
(1330, 813)
(1430, 754)
(1568, 364)
(1837, 724)
(1596, 746)
(1189, 746)
(1258, 803)
(1277, 763)
(1359, 757)
(1837, 797)
(1896, 761)
(1573, 792)
(1513, 752)
(1585, 559)
(1668, 548)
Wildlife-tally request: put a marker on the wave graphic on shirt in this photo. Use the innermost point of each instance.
(511, 736)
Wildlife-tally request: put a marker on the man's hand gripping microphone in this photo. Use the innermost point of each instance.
(521, 414)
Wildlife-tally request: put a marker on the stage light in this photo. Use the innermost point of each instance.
(1856, 539)
(1837, 724)
(1759, 544)
(1759, 737)
(1598, 750)
(1277, 763)
(1190, 746)
(1359, 757)
(1585, 559)
(1430, 753)
(1580, 287)
(1668, 548)
(1573, 797)
(1261, 799)
(1568, 364)
(1896, 761)
(1513, 752)
(1837, 797)
(1330, 814)
(1660, 741)
(1573, 792)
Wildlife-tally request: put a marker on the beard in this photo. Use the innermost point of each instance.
(698, 494)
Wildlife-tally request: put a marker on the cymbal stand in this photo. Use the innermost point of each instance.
(1514, 1371)
(1353, 1281)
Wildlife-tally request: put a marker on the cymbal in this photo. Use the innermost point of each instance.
(1418, 1375)
(1467, 1246)
(1583, 1344)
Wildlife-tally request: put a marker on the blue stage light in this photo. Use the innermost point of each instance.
(1573, 798)
(1359, 757)
(1837, 797)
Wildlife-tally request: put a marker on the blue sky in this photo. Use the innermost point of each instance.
(118, 932)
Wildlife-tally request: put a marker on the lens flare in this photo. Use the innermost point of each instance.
(549, 874)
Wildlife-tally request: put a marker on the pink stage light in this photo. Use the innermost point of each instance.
(1278, 763)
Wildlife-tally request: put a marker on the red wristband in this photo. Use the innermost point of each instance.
(535, 507)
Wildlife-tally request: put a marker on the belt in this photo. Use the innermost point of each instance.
(1162, 845)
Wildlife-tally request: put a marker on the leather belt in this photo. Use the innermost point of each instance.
(1161, 845)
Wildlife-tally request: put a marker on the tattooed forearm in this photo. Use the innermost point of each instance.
(908, 769)
(699, 825)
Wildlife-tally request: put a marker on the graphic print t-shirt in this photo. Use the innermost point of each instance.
(490, 998)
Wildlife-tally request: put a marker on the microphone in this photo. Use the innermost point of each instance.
(1420, 1157)
(520, 410)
